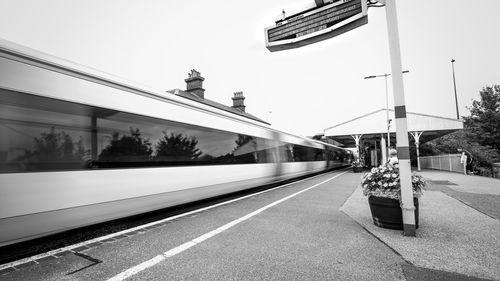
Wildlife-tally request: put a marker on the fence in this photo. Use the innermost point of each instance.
(449, 162)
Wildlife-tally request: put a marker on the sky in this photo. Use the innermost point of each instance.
(301, 91)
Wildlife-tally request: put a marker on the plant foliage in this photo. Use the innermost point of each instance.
(127, 148)
(483, 124)
(384, 182)
(480, 137)
(177, 147)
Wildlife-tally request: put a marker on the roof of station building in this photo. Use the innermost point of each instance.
(215, 104)
(374, 124)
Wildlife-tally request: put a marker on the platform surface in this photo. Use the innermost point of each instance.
(316, 229)
(459, 229)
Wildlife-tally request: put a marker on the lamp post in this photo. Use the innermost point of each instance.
(385, 75)
(454, 85)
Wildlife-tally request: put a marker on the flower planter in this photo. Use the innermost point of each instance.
(357, 169)
(387, 213)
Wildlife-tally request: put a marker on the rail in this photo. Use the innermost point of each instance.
(448, 162)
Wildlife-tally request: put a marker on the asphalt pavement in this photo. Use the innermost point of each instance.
(459, 232)
(316, 229)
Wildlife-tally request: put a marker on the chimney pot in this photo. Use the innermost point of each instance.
(238, 101)
(194, 84)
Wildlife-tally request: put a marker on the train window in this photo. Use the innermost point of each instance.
(304, 153)
(43, 134)
(33, 136)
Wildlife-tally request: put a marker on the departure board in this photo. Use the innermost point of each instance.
(318, 21)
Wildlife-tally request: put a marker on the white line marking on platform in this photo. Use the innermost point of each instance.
(102, 238)
(172, 252)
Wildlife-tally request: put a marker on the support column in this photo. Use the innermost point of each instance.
(383, 149)
(463, 160)
(356, 139)
(402, 144)
(93, 138)
(416, 136)
(449, 160)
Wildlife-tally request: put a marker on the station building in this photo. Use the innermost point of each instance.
(195, 91)
(371, 135)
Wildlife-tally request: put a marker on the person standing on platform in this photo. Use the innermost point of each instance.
(393, 158)
(463, 160)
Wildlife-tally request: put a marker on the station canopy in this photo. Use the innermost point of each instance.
(374, 125)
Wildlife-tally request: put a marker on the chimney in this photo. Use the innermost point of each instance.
(194, 84)
(238, 101)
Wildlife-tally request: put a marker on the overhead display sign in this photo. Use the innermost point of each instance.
(317, 24)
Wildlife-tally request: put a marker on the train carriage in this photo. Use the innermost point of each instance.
(79, 147)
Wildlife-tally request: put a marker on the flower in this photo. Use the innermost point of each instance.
(357, 163)
(384, 182)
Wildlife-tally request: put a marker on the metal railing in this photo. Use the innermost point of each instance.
(448, 162)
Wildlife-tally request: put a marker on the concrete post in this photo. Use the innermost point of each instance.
(402, 144)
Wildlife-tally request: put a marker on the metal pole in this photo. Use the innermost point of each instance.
(402, 145)
(416, 136)
(387, 115)
(356, 139)
(465, 164)
(455, 86)
(385, 75)
(93, 138)
(449, 160)
(382, 148)
(418, 156)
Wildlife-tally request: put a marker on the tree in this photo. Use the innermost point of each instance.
(483, 125)
(480, 136)
(482, 156)
(132, 148)
(53, 150)
(177, 147)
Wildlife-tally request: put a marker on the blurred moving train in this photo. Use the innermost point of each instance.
(78, 147)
